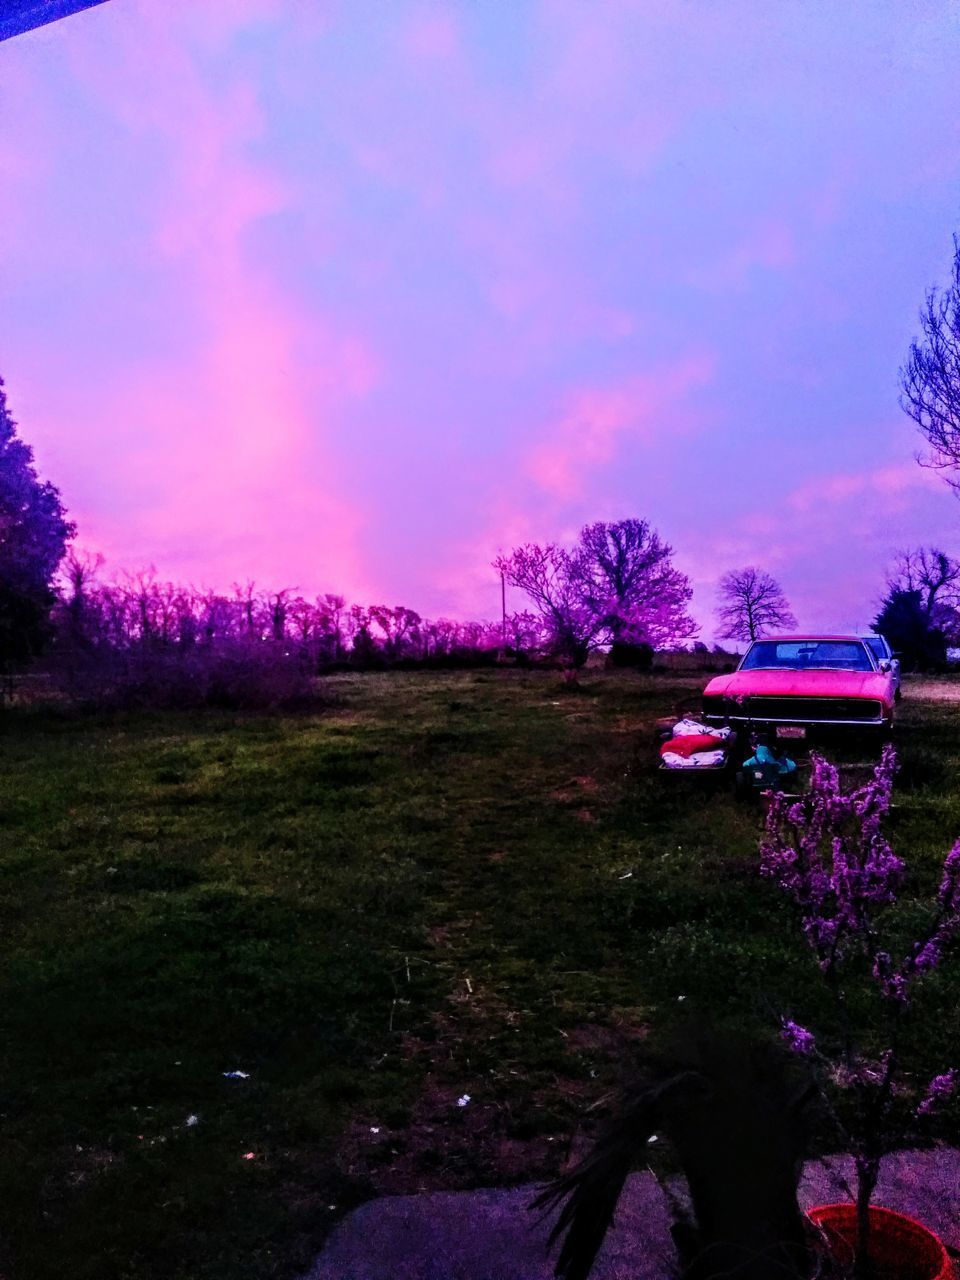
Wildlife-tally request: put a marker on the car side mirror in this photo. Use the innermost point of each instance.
(885, 664)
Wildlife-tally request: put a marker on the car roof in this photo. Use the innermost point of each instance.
(808, 636)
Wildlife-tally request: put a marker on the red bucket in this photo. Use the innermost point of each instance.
(900, 1248)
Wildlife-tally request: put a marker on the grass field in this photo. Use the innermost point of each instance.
(442, 885)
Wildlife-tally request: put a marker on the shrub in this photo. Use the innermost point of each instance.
(233, 678)
(638, 656)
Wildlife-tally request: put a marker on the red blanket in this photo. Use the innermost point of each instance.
(691, 743)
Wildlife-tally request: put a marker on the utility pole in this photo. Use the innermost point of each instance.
(503, 610)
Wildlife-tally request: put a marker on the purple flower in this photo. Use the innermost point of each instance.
(949, 894)
(828, 852)
(893, 985)
(883, 871)
(927, 957)
(824, 778)
(821, 932)
(938, 1090)
(797, 1038)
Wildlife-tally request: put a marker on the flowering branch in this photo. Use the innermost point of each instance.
(938, 1090)
(827, 851)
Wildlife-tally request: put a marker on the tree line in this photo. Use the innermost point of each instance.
(155, 641)
(617, 588)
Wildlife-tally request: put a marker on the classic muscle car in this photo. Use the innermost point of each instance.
(796, 684)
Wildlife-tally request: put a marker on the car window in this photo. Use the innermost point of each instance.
(879, 646)
(807, 655)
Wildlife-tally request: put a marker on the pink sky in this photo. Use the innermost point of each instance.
(350, 296)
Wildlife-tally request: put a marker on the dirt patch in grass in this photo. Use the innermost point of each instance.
(574, 792)
(455, 1140)
(452, 1141)
(617, 1042)
(932, 688)
(80, 1165)
(575, 789)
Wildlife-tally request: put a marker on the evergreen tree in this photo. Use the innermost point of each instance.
(906, 624)
(34, 533)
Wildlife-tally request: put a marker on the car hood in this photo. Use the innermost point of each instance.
(807, 684)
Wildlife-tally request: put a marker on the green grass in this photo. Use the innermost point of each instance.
(445, 884)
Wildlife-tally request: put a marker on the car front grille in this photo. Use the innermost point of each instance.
(836, 709)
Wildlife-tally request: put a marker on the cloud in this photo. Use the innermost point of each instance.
(353, 295)
(432, 35)
(829, 540)
(589, 430)
(894, 483)
(769, 244)
(213, 462)
(550, 488)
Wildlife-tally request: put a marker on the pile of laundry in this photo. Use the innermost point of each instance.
(696, 746)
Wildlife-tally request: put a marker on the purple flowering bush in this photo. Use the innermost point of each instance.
(828, 852)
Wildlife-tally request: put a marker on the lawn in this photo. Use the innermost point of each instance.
(440, 886)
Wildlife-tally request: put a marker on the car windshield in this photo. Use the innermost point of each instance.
(807, 655)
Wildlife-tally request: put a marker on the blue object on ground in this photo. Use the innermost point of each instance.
(766, 769)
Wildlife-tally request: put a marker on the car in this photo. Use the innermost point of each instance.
(879, 646)
(798, 686)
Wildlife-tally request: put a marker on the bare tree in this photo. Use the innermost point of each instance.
(617, 584)
(630, 581)
(548, 575)
(331, 611)
(932, 573)
(246, 596)
(279, 608)
(399, 629)
(78, 573)
(751, 603)
(930, 379)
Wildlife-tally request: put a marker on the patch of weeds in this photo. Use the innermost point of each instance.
(353, 768)
(922, 769)
(170, 776)
(151, 876)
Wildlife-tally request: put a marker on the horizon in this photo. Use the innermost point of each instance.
(351, 301)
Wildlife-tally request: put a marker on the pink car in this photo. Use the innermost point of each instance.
(797, 684)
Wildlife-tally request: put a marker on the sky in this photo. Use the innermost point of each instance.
(350, 296)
